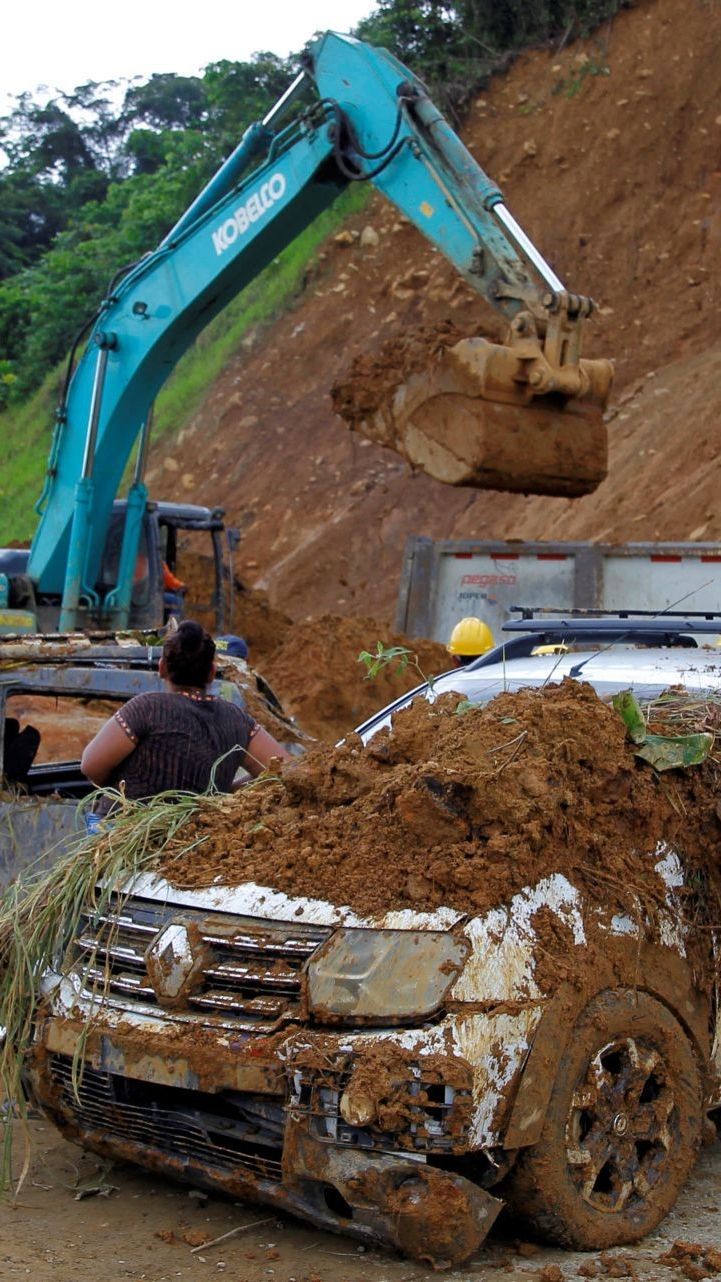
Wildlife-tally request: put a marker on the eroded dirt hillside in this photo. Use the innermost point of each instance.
(609, 153)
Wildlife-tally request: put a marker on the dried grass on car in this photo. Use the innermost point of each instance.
(41, 912)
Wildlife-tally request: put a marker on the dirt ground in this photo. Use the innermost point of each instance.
(608, 154)
(146, 1227)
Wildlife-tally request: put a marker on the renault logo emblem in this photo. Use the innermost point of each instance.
(175, 963)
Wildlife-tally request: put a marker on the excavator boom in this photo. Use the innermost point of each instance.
(367, 119)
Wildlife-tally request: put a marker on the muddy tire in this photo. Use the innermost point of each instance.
(622, 1128)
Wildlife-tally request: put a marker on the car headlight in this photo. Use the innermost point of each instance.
(383, 976)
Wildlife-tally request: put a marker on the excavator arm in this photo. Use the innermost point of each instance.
(369, 120)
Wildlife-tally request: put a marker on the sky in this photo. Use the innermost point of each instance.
(48, 42)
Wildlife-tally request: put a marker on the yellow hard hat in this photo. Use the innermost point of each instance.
(470, 636)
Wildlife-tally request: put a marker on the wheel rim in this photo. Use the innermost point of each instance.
(620, 1129)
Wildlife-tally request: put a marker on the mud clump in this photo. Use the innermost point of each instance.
(693, 1260)
(316, 673)
(372, 379)
(550, 1273)
(461, 807)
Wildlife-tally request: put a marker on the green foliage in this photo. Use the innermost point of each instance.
(167, 101)
(629, 710)
(663, 752)
(25, 434)
(240, 92)
(675, 753)
(89, 189)
(26, 428)
(392, 658)
(463, 707)
(453, 45)
(44, 306)
(7, 378)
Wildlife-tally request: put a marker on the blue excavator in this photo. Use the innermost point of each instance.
(526, 415)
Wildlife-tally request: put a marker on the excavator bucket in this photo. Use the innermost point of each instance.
(488, 416)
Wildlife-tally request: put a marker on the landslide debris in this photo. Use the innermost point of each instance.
(311, 665)
(622, 195)
(316, 673)
(461, 806)
(263, 625)
(372, 378)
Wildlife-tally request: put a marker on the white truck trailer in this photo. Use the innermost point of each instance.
(444, 580)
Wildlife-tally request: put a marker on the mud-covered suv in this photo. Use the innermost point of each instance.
(400, 1076)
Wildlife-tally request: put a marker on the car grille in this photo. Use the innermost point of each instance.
(252, 969)
(165, 1119)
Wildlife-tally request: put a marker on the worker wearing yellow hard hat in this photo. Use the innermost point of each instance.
(469, 639)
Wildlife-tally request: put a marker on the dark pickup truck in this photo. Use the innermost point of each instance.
(66, 687)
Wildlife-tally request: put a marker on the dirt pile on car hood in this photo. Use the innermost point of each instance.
(460, 806)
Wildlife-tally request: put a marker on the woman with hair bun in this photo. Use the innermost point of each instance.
(181, 738)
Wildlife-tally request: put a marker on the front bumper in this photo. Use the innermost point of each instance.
(238, 1117)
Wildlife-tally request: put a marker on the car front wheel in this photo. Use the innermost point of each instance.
(622, 1128)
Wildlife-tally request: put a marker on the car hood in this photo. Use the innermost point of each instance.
(252, 900)
(263, 902)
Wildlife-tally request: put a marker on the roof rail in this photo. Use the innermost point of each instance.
(597, 623)
(543, 611)
(642, 627)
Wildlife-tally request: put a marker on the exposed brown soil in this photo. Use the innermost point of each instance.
(459, 807)
(617, 178)
(372, 379)
(312, 664)
(322, 683)
(249, 611)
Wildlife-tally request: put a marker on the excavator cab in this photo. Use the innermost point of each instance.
(179, 568)
(176, 541)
